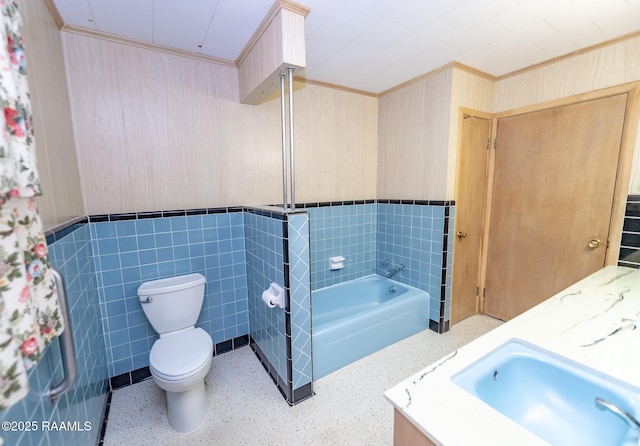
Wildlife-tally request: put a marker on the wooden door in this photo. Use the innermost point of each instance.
(552, 195)
(470, 187)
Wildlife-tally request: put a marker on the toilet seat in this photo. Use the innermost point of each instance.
(179, 356)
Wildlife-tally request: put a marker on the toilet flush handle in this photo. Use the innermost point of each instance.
(148, 300)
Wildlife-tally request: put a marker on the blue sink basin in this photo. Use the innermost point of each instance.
(551, 396)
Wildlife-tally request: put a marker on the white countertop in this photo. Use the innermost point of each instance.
(592, 322)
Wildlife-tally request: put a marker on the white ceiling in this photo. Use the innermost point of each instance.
(373, 45)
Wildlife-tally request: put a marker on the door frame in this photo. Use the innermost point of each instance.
(462, 112)
(623, 177)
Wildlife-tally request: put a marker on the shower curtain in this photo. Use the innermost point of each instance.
(29, 313)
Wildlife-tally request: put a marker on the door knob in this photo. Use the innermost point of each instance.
(461, 234)
(593, 243)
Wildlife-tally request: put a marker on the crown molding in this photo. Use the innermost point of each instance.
(55, 13)
(145, 45)
(570, 55)
(336, 87)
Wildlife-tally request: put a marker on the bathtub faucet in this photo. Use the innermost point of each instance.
(603, 404)
(393, 271)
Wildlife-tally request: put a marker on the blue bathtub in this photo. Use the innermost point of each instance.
(354, 319)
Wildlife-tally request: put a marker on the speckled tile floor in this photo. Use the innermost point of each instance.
(245, 407)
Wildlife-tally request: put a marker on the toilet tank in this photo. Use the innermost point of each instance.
(173, 303)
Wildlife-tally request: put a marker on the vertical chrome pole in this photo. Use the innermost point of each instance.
(291, 163)
(284, 142)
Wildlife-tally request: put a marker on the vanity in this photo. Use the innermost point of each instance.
(565, 372)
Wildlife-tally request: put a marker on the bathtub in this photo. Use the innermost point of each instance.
(354, 319)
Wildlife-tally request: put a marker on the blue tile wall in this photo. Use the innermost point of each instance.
(240, 253)
(415, 234)
(278, 251)
(300, 298)
(348, 231)
(129, 252)
(411, 235)
(265, 264)
(72, 256)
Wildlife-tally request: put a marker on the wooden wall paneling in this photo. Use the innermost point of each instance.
(315, 168)
(362, 138)
(93, 70)
(235, 157)
(55, 148)
(603, 67)
(183, 139)
(257, 155)
(399, 112)
(293, 41)
(146, 119)
(159, 131)
(221, 134)
(222, 130)
(405, 162)
(262, 60)
(390, 139)
(387, 145)
(341, 128)
(414, 138)
(188, 149)
(46, 203)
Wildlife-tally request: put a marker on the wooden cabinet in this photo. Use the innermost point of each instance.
(406, 434)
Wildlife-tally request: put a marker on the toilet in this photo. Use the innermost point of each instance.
(181, 358)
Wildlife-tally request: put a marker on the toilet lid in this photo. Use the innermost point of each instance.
(181, 353)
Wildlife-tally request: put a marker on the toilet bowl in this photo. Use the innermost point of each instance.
(181, 358)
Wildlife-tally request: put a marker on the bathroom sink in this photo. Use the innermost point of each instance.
(553, 397)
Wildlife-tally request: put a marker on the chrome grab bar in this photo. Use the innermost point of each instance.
(67, 349)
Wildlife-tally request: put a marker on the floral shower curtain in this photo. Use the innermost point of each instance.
(29, 313)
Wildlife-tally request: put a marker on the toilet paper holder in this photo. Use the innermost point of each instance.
(274, 296)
